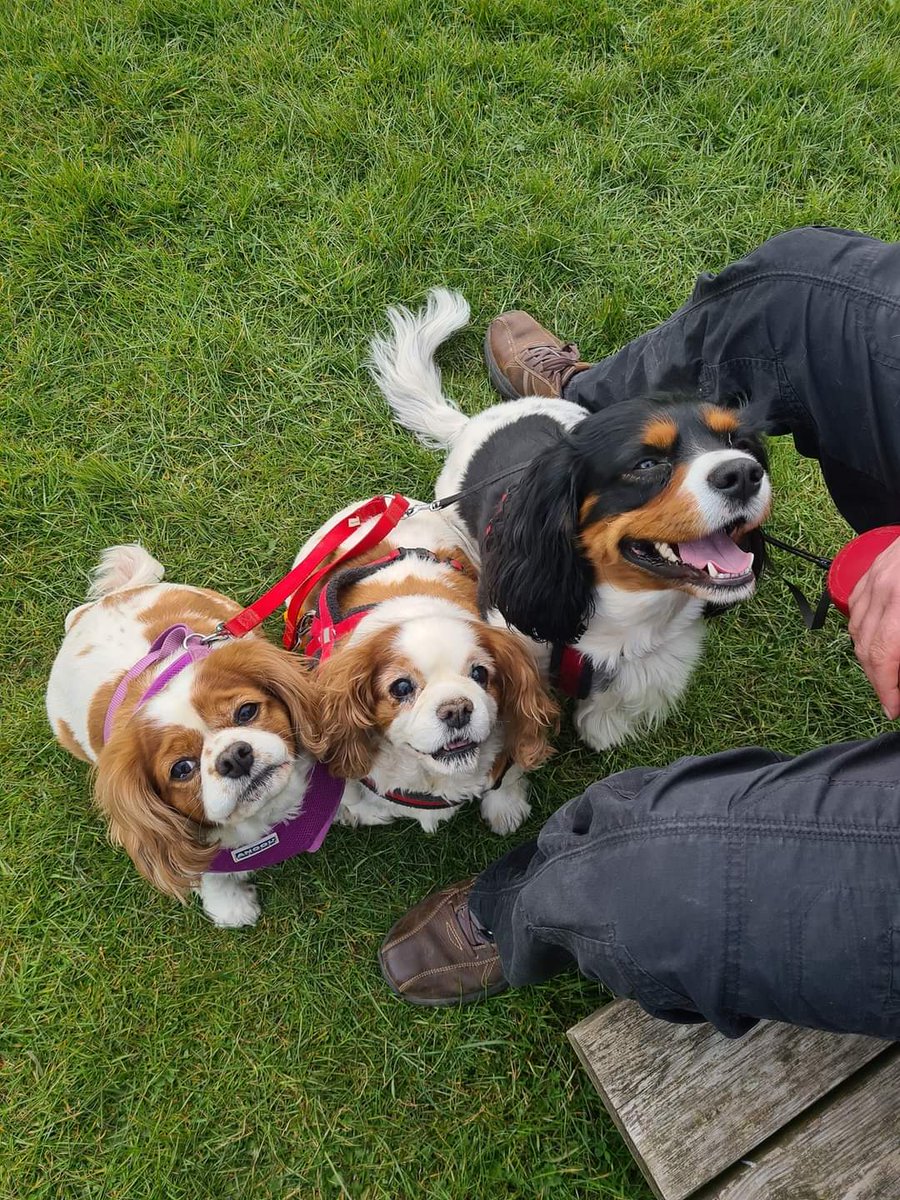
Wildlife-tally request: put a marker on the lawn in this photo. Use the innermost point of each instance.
(206, 206)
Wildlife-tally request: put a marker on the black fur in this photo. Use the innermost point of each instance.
(532, 568)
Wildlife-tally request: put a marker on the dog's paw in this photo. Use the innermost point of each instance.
(229, 902)
(347, 816)
(242, 911)
(432, 821)
(504, 811)
(603, 724)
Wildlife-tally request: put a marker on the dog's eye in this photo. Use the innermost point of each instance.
(646, 464)
(742, 443)
(245, 714)
(400, 689)
(183, 770)
(479, 674)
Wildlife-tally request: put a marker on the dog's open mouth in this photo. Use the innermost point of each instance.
(714, 562)
(456, 750)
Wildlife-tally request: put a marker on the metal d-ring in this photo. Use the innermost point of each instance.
(219, 634)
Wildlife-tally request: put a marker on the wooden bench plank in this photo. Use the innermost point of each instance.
(847, 1148)
(690, 1102)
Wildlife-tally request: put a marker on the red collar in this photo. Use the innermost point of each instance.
(411, 799)
(425, 799)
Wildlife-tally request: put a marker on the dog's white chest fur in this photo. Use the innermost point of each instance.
(649, 643)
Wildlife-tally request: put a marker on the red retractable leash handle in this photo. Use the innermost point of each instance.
(843, 572)
(386, 511)
(853, 560)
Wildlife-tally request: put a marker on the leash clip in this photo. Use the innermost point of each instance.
(219, 634)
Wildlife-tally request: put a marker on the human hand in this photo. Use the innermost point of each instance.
(875, 627)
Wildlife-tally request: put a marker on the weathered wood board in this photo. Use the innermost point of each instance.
(847, 1148)
(690, 1103)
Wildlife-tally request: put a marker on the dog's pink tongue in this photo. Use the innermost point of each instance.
(719, 550)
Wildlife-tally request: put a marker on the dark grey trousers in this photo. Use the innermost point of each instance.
(744, 885)
(807, 325)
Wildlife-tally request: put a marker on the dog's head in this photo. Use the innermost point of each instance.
(644, 496)
(219, 743)
(434, 685)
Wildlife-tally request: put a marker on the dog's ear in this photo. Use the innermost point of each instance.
(348, 730)
(163, 843)
(526, 707)
(533, 569)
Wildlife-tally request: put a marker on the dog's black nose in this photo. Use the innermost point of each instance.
(739, 479)
(455, 713)
(236, 760)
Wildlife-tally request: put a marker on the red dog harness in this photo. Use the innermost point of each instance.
(573, 673)
(328, 624)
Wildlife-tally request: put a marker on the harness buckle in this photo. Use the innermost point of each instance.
(303, 627)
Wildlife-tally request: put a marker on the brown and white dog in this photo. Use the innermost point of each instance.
(426, 705)
(220, 755)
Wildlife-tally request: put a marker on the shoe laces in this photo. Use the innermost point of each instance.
(551, 360)
(472, 930)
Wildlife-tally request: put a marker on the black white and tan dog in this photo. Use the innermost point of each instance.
(602, 535)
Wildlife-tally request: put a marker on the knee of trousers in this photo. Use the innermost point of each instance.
(809, 248)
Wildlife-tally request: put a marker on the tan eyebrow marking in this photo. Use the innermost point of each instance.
(661, 433)
(719, 420)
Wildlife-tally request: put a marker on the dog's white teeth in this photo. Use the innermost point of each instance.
(664, 550)
(712, 570)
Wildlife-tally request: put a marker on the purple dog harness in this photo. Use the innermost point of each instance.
(169, 642)
(303, 833)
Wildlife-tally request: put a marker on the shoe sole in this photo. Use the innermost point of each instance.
(451, 1001)
(499, 382)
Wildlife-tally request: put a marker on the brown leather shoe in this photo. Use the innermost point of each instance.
(437, 954)
(524, 359)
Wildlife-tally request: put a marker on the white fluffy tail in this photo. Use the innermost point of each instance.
(124, 567)
(402, 364)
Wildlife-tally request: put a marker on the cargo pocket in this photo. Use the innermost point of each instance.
(892, 1004)
(848, 957)
(755, 378)
(764, 382)
(608, 961)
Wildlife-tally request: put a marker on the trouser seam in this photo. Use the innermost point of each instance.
(830, 283)
(826, 281)
(714, 827)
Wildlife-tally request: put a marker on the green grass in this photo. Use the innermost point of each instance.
(206, 206)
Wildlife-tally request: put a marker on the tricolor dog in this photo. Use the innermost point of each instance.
(601, 535)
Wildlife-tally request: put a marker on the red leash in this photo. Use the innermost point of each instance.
(302, 578)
